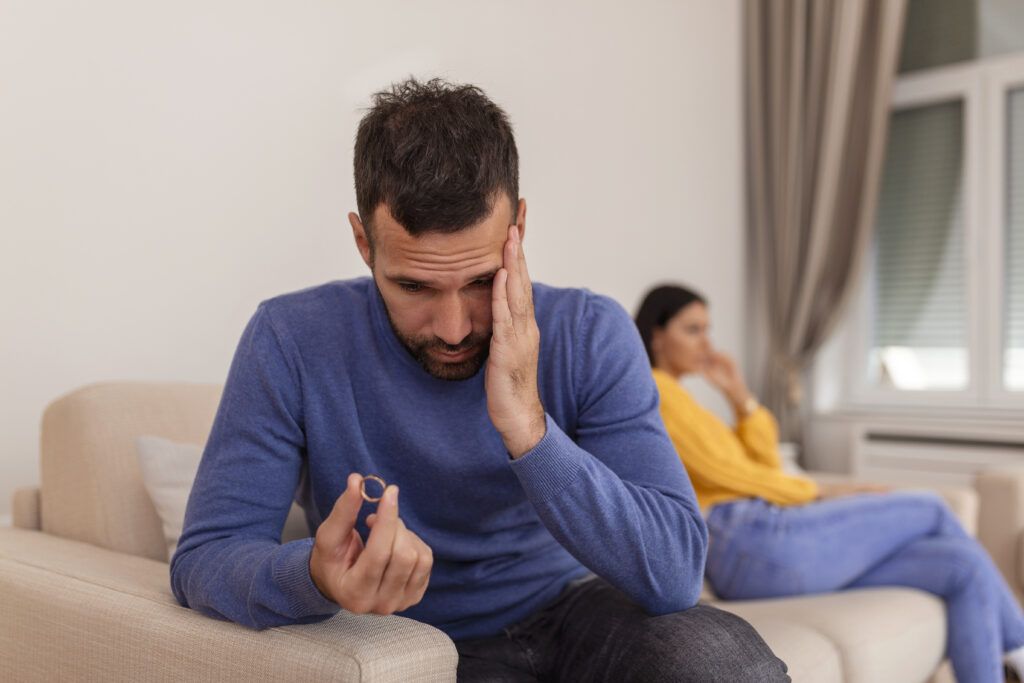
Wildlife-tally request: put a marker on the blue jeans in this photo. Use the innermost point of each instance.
(760, 550)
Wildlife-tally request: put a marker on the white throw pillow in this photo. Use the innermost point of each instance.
(168, 470)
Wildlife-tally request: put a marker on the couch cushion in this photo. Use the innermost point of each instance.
(91, 487)
(168, 471)
(25, 506)
(881, 634)
(809, 655)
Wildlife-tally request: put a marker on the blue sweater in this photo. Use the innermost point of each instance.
(320, 387)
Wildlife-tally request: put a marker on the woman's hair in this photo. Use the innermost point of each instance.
(658, 307)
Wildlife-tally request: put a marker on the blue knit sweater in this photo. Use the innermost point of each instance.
(320, 387)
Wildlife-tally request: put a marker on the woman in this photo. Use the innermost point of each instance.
(773, 534)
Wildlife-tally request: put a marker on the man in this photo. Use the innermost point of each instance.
(545, 522)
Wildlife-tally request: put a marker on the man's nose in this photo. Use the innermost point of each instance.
(452, 323)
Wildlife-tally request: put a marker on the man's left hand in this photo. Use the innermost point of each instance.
(513, 400)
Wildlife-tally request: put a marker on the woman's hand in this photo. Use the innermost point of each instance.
(826, 491)
(721, 372)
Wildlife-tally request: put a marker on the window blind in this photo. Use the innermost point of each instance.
(920, 297)
(1013, 369)
(938, 32)
(941, 32)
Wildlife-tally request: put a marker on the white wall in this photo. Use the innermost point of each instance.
(165, 166)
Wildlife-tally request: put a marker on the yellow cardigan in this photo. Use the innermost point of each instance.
(724, 464)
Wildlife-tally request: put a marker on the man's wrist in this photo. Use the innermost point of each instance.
(313, 574)
(525, 439)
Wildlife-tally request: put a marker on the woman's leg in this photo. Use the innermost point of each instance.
(895, 539)
(983, 618)
(760, 551)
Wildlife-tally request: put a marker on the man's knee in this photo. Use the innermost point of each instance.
(703, 644)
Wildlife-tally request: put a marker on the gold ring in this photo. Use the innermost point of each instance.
(362, 488)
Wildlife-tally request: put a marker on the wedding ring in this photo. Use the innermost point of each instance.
(362, 488)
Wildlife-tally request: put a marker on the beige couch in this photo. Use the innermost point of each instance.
(84, 590)
(1001, 522)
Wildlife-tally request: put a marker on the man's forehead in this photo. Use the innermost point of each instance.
(436, 253)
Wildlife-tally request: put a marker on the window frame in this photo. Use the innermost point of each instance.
(982, 86)
(1002, 76)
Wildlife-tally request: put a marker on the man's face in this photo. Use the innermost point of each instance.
(437, 287)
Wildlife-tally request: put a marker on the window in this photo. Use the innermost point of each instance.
(942, 32)
(1013, 310)
(919, 297)
(940, 317)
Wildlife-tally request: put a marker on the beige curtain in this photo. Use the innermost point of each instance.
(818, 78)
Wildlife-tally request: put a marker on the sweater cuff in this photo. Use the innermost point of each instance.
(291, 574)
(551, 466)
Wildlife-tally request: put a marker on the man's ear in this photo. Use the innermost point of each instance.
(521, 219)
(362, 239)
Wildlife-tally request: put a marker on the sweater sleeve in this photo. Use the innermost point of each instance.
(759, 435)
(230, 563)
(615, 495)
(718, 461)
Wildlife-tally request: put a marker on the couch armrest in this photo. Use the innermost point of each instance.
(962, 500)
(26, 511)
(74, 611)
(1001, 522)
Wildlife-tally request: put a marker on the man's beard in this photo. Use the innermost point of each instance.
(420, 349)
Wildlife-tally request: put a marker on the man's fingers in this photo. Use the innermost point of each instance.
(387, 508)
(420, 577)
(524, 273)
(369, 569)
(404, 557)
(337, 528)
(392, 571)
(516, 302)
(400, 587)
(501, 315)
(520, 289)
(355, 546)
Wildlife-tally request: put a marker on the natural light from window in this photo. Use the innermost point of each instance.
(1013, 362)
(919, 303)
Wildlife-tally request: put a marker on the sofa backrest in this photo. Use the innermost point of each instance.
(91, 485)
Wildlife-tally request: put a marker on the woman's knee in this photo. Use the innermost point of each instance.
(946, 522)
(946, 566)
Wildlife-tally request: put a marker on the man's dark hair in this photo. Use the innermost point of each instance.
(660, 305)
(438, 155)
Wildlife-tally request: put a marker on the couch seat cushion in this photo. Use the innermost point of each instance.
(880, 634)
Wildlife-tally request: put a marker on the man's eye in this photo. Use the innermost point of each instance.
(485, 282)
(410, 286)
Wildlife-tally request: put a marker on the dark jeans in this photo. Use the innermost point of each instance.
(593, 632)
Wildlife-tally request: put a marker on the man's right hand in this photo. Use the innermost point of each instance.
(390, 574)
